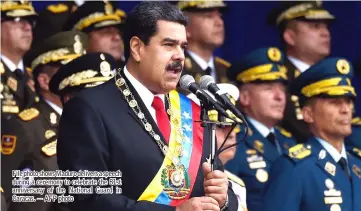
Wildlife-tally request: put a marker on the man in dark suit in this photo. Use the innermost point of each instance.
(29, 139)
(303, 26)
(17, 87)
(102, 22)
(319, 174)
(123, 125)
(205, 33)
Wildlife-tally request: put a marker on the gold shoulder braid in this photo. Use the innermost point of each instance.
(132, 102)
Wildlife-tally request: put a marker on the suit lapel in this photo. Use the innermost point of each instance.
(143, 108)
(14, 84)
(262, 145)
(356, 181)
(332, 169)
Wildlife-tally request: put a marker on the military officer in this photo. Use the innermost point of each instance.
(27, 138)
(304, 28)
(17, 87)
(319, 174)
(102, 22)
(205, 33)
(261, 77)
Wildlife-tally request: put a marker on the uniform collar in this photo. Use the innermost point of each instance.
(145, 94)
(300, 65)
(262, 129)
(201, 62)
(11, 64)
(55, 107)
(332, 150)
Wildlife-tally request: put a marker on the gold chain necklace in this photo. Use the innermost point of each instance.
(129, 97)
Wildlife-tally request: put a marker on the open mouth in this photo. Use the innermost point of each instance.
(174, 70)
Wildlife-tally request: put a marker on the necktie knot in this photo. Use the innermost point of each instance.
(343, 164)
(158, 104)
(19, 73)
(271, 137)
(208, 71)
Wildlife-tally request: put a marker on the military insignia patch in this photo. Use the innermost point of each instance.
(330, 168)
(262, 175)
(8, 143)
(49, 149)
(258, 145)
(12, 83)
(105, 68)
(285, 133)
(335, 207)
(357, 151)
(356, 170)
(108, 9)
(49, 134)
(343, 66)
(53, 118)
(251, 152)
(299, 151)
(29, 114)
(274, 54)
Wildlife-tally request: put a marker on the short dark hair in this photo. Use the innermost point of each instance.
(142, 21)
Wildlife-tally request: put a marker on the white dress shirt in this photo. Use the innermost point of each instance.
(144, 93)
(300, 65)
(336, 155)
(56, 108)
(261, 127)
(204, 64)
(11, 64)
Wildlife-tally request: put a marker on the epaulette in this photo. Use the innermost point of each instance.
(356, 151)
(235, 179)
(29, 114)
(299, 152)
(2, 68)
(356, 121)
(223, 62)
(58, 8)
(285, 132)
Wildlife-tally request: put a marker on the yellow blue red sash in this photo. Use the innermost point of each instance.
(159, 190)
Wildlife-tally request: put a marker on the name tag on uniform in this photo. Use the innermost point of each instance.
(257, 165)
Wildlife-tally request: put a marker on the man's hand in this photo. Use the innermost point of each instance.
(215, 184)
(199, 204)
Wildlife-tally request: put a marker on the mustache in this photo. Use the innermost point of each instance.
(177, 65)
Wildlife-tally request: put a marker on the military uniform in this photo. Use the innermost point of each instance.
(17, 87)
(28, 140)
(279, 17)
(256, 154)
(216, 67)
(314, 175)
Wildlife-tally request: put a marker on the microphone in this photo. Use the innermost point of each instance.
(207, 83)
(187, 82)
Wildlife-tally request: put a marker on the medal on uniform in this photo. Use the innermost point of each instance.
(175, 182)
(53, 118)
(356, 170)
(335, 207)
(262, 175)
(330, 168)
(322, 154)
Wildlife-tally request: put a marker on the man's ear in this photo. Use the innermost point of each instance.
(136, 48)
(308, 114)
(289, 37)
(244, 97)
